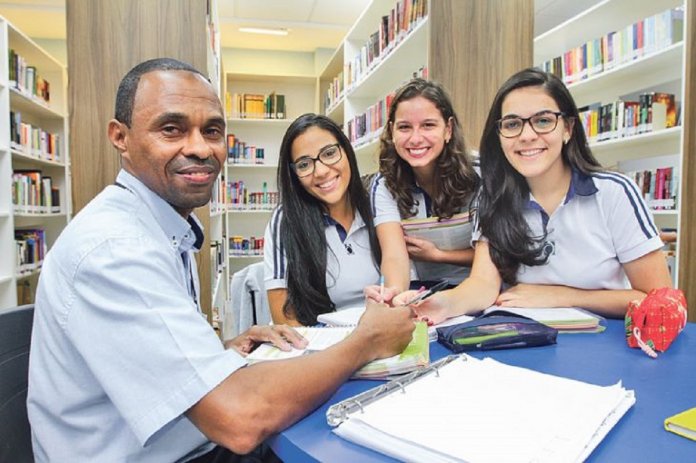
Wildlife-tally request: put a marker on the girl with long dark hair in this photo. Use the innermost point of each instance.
(555, 229)
(320, 248)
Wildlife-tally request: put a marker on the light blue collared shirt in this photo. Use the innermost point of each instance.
(119, 349)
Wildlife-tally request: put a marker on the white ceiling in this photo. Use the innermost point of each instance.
(312, 24)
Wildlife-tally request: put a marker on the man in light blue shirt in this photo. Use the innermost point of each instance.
(123, 367)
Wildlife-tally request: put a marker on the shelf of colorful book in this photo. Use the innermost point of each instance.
(22, 156)
(335, 112)
(251, 122)
(609, 152)
(385, 74)
(234, 210)
(23, 102)
(28, 270)
(242, 165)
(594, 22)
(661, 66)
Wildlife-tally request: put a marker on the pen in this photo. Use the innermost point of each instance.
(425, 294)
(381, 288)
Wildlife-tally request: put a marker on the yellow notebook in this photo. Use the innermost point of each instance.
(683, 423)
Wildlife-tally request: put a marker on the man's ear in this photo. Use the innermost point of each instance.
(117, 132)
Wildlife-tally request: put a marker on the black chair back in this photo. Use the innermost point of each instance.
(15, 337)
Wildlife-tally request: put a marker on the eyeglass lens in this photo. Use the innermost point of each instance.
(329, 156)
(540, 123)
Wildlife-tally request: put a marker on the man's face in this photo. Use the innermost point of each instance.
(176, 142)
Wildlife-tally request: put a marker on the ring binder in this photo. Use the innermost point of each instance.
(338, 413)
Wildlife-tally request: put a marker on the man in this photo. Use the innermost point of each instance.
(123, 367)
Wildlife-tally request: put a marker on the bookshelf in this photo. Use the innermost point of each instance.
(34, 162)
(448, 41)
(658, 66)
(251, 189)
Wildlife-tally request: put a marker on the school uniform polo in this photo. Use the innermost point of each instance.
(350, 266)
(602, 223)
(385, 210)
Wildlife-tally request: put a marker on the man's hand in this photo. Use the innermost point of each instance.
(388, 330)
(281, 336)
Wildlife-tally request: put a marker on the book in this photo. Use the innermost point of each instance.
(414, 356)
(351, 315)
(446, 234)
(683, 424)
(461, 409)
(564, 319)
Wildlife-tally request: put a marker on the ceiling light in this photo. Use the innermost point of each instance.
(263, 30)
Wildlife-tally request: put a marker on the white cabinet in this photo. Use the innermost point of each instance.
(658, 68)
(35, 197)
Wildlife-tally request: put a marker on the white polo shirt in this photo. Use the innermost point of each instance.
(385, 210)
(602, 224)
(350, 266)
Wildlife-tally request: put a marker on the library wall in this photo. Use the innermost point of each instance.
(687, 225)
(268, 62)
(478, 45)
(104, 41)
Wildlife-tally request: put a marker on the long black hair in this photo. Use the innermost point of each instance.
(455, 178)
(302, 226)
(505, 192)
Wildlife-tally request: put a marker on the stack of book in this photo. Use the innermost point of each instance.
(564, 319)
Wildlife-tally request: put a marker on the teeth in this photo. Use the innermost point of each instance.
(327, 185)
(418, 151)
(530, 152)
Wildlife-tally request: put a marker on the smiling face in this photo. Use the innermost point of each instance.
(329, 184)
(536, 157)
(419, 132)
(176, 142)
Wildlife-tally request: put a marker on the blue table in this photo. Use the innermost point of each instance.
(663, 387)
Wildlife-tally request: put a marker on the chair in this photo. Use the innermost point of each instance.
(15, 337)
(248, 301)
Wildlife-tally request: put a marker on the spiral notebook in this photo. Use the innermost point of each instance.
(464, 409)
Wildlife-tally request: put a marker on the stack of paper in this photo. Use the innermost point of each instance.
(416, 354)
(485, 411)
(564, 319)
(351, 316)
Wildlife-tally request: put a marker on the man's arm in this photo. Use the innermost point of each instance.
(259, 400)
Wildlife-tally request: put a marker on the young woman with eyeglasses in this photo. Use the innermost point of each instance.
(320, 247)
(555, 228)
(424, 171)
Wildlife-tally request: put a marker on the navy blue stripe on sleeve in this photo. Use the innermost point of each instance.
(373, 192)
(278, 254)
(639, 208)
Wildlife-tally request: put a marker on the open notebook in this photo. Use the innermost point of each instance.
(482, 411)
(351, 315)
(415, 355)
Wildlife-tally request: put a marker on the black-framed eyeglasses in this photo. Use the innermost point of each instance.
(542, 122)
(328, 156)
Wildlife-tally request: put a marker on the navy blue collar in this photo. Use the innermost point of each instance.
(342, 232)
(581, 184)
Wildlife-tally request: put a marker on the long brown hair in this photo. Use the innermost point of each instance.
(455, 178)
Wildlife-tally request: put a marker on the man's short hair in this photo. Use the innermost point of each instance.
(125, 95)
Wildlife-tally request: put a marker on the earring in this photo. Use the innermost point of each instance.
(565, 141)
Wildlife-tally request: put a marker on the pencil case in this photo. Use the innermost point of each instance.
(496, 330)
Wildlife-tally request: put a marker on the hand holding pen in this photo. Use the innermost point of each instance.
(427, 308)
(381, 293)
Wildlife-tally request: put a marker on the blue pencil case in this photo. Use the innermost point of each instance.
(496, 330)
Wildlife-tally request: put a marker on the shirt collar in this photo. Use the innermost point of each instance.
(581, 184)
(183, 234)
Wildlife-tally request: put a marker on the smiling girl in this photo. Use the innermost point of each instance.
(320, 248)
(425, 171)
(555, 228)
